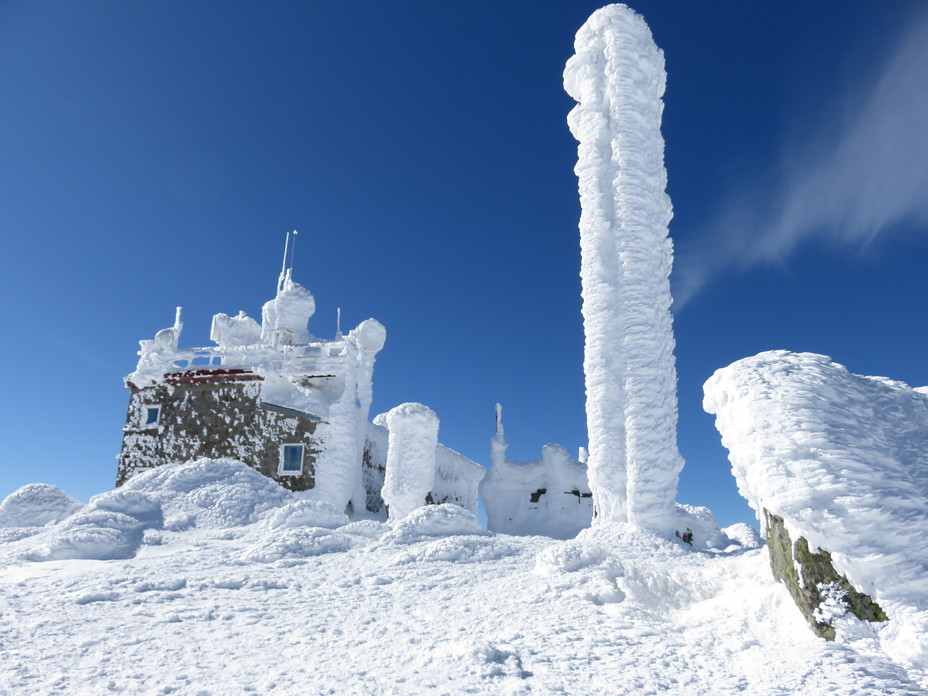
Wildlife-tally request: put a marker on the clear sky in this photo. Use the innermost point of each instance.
(154, 154)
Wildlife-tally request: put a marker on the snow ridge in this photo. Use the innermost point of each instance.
(617, 77)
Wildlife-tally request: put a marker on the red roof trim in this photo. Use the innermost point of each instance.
(218, 376)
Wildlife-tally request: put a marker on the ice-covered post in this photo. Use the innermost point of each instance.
(617, 77)
(410, 473)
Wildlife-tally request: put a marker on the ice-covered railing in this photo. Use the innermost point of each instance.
(154, 363)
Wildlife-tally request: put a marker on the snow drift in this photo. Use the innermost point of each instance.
(35, 505)
(843, 459)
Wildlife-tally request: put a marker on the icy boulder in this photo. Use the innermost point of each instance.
(839, 462)
(212, 492)
(35, 505)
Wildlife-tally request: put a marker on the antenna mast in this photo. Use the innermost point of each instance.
(283, 265)
(292, 252)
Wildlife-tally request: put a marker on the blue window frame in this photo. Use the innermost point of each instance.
(152, 414)
(291, 459)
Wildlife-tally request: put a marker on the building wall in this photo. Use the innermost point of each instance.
(213, 420)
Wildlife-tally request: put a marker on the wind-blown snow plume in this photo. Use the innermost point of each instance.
(874, 176)
(617, 76)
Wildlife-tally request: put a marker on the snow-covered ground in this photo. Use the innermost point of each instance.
(239, 592)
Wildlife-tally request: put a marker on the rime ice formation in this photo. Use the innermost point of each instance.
(292, 406)
(843, 459)
(285, 318)
(230, 332)
(410, 471)
(548, 496)
(617, 77)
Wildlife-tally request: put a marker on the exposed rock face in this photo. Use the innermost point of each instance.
(812, 580)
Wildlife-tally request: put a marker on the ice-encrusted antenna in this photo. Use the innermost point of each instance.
(338, 322)
(283, 265)
(285, 273)
(292, 252)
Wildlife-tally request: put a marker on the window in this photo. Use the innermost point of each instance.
(291, 460)
(151, 414)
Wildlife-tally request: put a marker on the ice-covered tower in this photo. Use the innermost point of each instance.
(617, 77)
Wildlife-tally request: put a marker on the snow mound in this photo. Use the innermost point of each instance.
(843, 459)
(299, 542)
(632, 541)
(213, 492)
(35, 505)
(435, 520)
(372, 529)
(459, 549)
(307, 513)
(700, 521)
(567, 557)
(135, 504)
(744, 535)
(111, 526)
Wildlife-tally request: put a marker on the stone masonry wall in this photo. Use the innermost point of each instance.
(213, 420)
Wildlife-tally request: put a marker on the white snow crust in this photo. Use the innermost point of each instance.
(277, 596)
(35, 505)
(843, 459)
(410, 473)
(617, 77)
(211, 493)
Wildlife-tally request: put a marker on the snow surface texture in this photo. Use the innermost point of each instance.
(410, 471)
(617, 77)
(35, 505)
(241, 594)
(843, 459)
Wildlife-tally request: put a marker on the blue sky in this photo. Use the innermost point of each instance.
(154, 154)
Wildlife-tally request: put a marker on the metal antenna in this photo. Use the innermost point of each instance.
(292, 253)
(283, 265)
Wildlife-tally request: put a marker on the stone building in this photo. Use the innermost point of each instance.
(288, 404)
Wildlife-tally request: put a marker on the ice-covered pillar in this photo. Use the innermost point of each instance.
(498, 444)
(617, 77)
(410, 473)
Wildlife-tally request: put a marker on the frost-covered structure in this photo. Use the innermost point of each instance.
(271, 395)
(549, 496)
(410, 472)
(456, 478)
(617, 77)
(839, 462)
